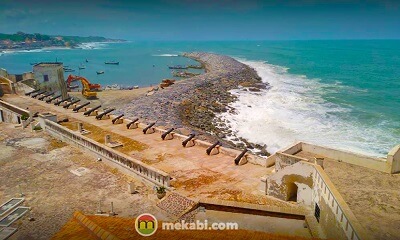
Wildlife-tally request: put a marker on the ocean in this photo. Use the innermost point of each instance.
(341, 93)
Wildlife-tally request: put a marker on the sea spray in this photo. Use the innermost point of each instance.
(294, 109)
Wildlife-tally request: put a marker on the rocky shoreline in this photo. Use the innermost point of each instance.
(191, 105)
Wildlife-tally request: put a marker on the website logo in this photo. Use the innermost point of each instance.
(146, 224)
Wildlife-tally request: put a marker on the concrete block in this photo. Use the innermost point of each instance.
(169, 136)
(191, 143)
(243, 160)
(214, 151)
(150, 131)
(134, 125)
(131, 187)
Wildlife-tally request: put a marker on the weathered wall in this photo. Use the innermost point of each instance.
(55, 75)
(286, 157)
(10, 113)
(283, 160)
(313, 187)
(304, 194)
(348, 157)
(394, 159)
(280, 184)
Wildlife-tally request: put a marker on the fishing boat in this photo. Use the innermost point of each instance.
(112, 62)
(100, 72)
(82, 67)
(177, 67)
(69, 70)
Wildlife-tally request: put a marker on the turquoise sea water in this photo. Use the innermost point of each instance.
(343, 94)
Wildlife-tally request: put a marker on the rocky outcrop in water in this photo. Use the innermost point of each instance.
(192, 103)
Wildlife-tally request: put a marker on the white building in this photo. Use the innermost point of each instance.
(50, 77)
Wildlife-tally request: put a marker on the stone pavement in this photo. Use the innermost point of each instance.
(176, 205)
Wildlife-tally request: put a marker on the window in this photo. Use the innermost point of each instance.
(317, 212)
(46, 78)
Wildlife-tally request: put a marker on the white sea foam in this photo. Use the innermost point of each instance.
(92, 45)
(6, 52)
(165, 55)
(293, 109)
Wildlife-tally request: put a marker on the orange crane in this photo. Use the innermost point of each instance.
(87, 87)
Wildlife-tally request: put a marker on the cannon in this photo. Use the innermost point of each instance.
(71, 103)
(62, 100)
(148, 127)
(76, 109)
(88, 112)
(208, 151)
(32, 92)
(130, 124)
(118, 117)
(185, 142)
(240, 156)
(166, 133)
(100, 116)
(38, 93)
(53, 98)
(63, 120)
(46, 95)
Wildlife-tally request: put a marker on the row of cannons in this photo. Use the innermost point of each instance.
(77, 106)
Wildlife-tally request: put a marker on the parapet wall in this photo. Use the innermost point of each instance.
(126, 162)
(312, 188)
(11, 114)
(288, 156)
(335, 216)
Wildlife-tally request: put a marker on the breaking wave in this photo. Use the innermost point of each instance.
(293, 109)
(5, 52)
(92, 45)
(165, 55)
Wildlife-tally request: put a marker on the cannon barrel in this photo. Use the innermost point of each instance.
(63, 120)
(118, 117)
(88, 112)
(104, 113)
(73, 102)
(191, 136)
(45, 96)
(208, 151)
(38, 93)
(62, 100)
(237, 159)
(53, 98)
(31, 92)
(166, 133)
(129, 124)
(148, 127)
(80, 107)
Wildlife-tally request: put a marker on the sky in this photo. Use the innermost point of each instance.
(204, 20)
